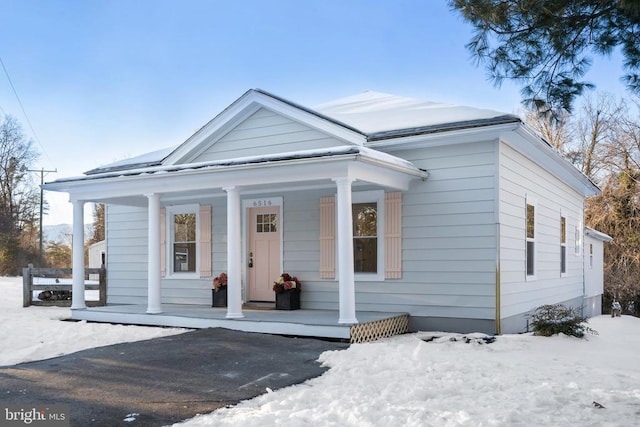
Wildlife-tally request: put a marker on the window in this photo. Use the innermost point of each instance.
(563, 245)
(379, 252)
(578, 241)
(183, 246)
(367, 208)
(531, 241)
(590, 255)
(365, 237)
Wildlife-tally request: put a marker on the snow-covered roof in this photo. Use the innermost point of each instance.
(362, 153)
(153, 158)
(598, 235)
(373, 114)
(380, 115)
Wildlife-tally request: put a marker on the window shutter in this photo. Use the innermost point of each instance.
(393, 235)
(205, 241)
(327, 238)
(163, 242)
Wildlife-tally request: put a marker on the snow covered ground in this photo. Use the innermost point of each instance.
(36, 333)
(519, 380)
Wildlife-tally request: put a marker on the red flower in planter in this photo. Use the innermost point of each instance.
(286, 283)
(220, 281)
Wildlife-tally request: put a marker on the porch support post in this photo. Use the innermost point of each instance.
(234, 254)
(346, 276)
(154, 298)
(77, 286)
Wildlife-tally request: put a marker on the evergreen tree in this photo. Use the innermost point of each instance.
(546, 44)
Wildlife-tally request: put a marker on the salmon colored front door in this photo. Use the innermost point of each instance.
(264, 252)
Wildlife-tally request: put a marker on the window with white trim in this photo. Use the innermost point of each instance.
(368, 234)
(183, 239)
(590, 255)
(578, 241)
(563, 245)
(530, 221)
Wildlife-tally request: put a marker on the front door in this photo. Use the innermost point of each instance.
(263, 252)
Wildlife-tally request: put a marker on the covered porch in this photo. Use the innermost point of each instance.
(304, 322)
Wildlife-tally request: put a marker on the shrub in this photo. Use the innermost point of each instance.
(553, 319)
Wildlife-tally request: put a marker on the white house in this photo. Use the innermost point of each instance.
(593, 271)
(462, 218)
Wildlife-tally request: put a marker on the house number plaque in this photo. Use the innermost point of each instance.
(260, 203)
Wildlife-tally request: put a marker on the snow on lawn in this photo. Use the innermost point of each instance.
(519, 380)
(36, 333)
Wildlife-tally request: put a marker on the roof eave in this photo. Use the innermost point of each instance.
(444, 127)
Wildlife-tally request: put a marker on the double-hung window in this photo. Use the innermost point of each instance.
(368, 239)
(531, 240)
(183, 245)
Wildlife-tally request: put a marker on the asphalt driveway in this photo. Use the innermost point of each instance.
(164, 380)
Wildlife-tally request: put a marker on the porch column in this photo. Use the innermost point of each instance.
(234, 254)
(346, 276)
(77, 287)
(154, 298)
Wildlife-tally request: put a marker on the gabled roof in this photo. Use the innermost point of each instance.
(358, 119)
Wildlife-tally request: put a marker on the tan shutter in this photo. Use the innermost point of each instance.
(163, 242)
(205, 241)
(393, 235)
(327, 238)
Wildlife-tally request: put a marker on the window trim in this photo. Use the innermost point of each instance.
(171, 211)
(530, 277)
(563, 244)
(373, 196)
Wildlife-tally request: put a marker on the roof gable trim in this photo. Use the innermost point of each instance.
(245, 106)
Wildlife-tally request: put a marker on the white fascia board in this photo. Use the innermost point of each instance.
(438, 139)
(528, 143)
(244, 107)
(598, 235)
(294, 172)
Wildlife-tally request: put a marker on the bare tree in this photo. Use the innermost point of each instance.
(556, 130)
(19, 199)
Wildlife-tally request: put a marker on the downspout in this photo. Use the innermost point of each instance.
(496, 213)
(498, 325)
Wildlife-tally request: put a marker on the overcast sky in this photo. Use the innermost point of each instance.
(103, 80)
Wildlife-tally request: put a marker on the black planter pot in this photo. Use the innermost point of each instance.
(288, 301)
(219, 298)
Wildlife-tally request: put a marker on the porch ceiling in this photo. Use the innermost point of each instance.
(291, 170)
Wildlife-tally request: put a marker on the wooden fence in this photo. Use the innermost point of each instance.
(60, 279)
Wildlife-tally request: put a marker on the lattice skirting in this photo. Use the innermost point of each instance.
(371, 331)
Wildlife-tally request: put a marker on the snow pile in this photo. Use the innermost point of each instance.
(518, 380)
(37, 333)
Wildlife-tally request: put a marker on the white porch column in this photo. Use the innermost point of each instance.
(346, 276)
(77, 287)
(154, 298)
(234, 254)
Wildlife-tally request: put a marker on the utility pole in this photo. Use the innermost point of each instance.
(42, 171)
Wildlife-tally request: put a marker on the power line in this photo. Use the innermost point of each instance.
(15, 92)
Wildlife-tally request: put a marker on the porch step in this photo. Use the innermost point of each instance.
(383, 328)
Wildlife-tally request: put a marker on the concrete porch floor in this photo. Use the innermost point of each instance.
(302, 322)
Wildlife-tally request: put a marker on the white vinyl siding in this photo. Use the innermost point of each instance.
(265, 132)
(127, 262)
(522, 180)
